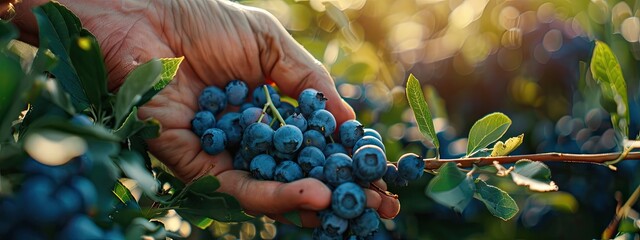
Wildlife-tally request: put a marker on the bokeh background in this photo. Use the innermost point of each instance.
(528, 59)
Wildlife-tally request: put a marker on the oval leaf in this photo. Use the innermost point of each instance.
(536, 170)
(498, 202)
(451, 187)
(606, 70)
(137, 83)
(487, 130)
(503, 149)
(420, 108)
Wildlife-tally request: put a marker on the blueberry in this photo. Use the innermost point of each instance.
(288, 171)
(338, 169)
(58, 174)
(391, 174)
(275, 99)
(212, 99)
(9, 213)
(69, 200)
(314, 138)
(237, 92)
(286, 109)
(81, 227)
(373, 133)
(350, 132)
(87, 191)
(332, 148)
(202, 121)
(27, 232)
(259, 98)
(368, 140)
(311, 100)
(366, 224)
(263, 167)
(310, 157)
(230, 124)
(410, 166)
(246, 105)
(369, 163)
(297, 120)
(258, 137)
(81, 120)
(213, 141)
(251, 115)
(322, 121)
(287, 139)
(38, 200)
(319, 233)
(348, 200)
(283, 156)
(317, 173)
(240, 162)
(333, 224)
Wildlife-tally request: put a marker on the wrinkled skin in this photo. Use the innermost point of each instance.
(220, 41)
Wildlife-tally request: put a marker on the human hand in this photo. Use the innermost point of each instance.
(220, 41)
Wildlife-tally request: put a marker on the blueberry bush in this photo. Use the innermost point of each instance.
(74, 162)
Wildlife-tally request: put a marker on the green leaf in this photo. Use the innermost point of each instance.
(487, 130)
(293, 217)
(205, 186)
(503, 149)
(169, 71)
(197, 220)
(606, 70)
(12, 87)
(451, 187)
(219, 206)
(416, 100)
(57, 26)
(43, 61)
(532, 169)
(498, 202)
(133, 125)
(124, 195)
(92, 132)
(137, 83)
(132, 164)
(88, 62)
(8, 32)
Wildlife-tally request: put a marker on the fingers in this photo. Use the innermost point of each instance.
(274, 197)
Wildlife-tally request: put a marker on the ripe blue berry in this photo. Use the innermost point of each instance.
(322, 121)
(241, 163)
(332, 148)
(237, 92)
(251, 115)
(410, 166)
(314, 138)
(350, 132)
(202, 121)
(317, 173)
(37, 199)
(369, 163)
(259, 98)
(348, 200)
(311, 100)
(310, 157)
(287, 139)
(213, 141)
(297, 120)
(230, 124)
(373, 133)
(87, 191)
(258, 137)
(367, 140)
(366, 224)
(333, 224)
(263, 167)
(68, 199)
(81, 227)
(288, 171)
(338, 169)
(391, 175)
(212, 99)
(286, 109)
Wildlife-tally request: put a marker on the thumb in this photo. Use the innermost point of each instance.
(294, 69)
(274, 197)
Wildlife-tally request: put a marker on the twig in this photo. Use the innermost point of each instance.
(380, 190)
(622, 212)
(601, 159)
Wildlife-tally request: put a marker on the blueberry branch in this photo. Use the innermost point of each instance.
(269, 103)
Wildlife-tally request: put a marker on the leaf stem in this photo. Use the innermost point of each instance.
(601, 159)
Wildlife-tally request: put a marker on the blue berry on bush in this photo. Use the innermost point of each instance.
(258, 137)
(333, 224)
(350, 132)
(213, 141)
(322, 121)
(366, 224)
(202, 121)
(236, 92)
(68, 199)
(314, 138)
(368, 140)
(38, 200)
(311, 100)
(338, 169)
(410, 166)
(288, 171)
(212, 99)
(310, 157)
(230, 124)
(287, 139)
(263, 167)
(87, 191)
(348, 200)
(81, 227)
(369, 163)
(297, 120)
(332, 148)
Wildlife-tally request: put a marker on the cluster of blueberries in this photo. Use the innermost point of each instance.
(275, 140)
(53, 201)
